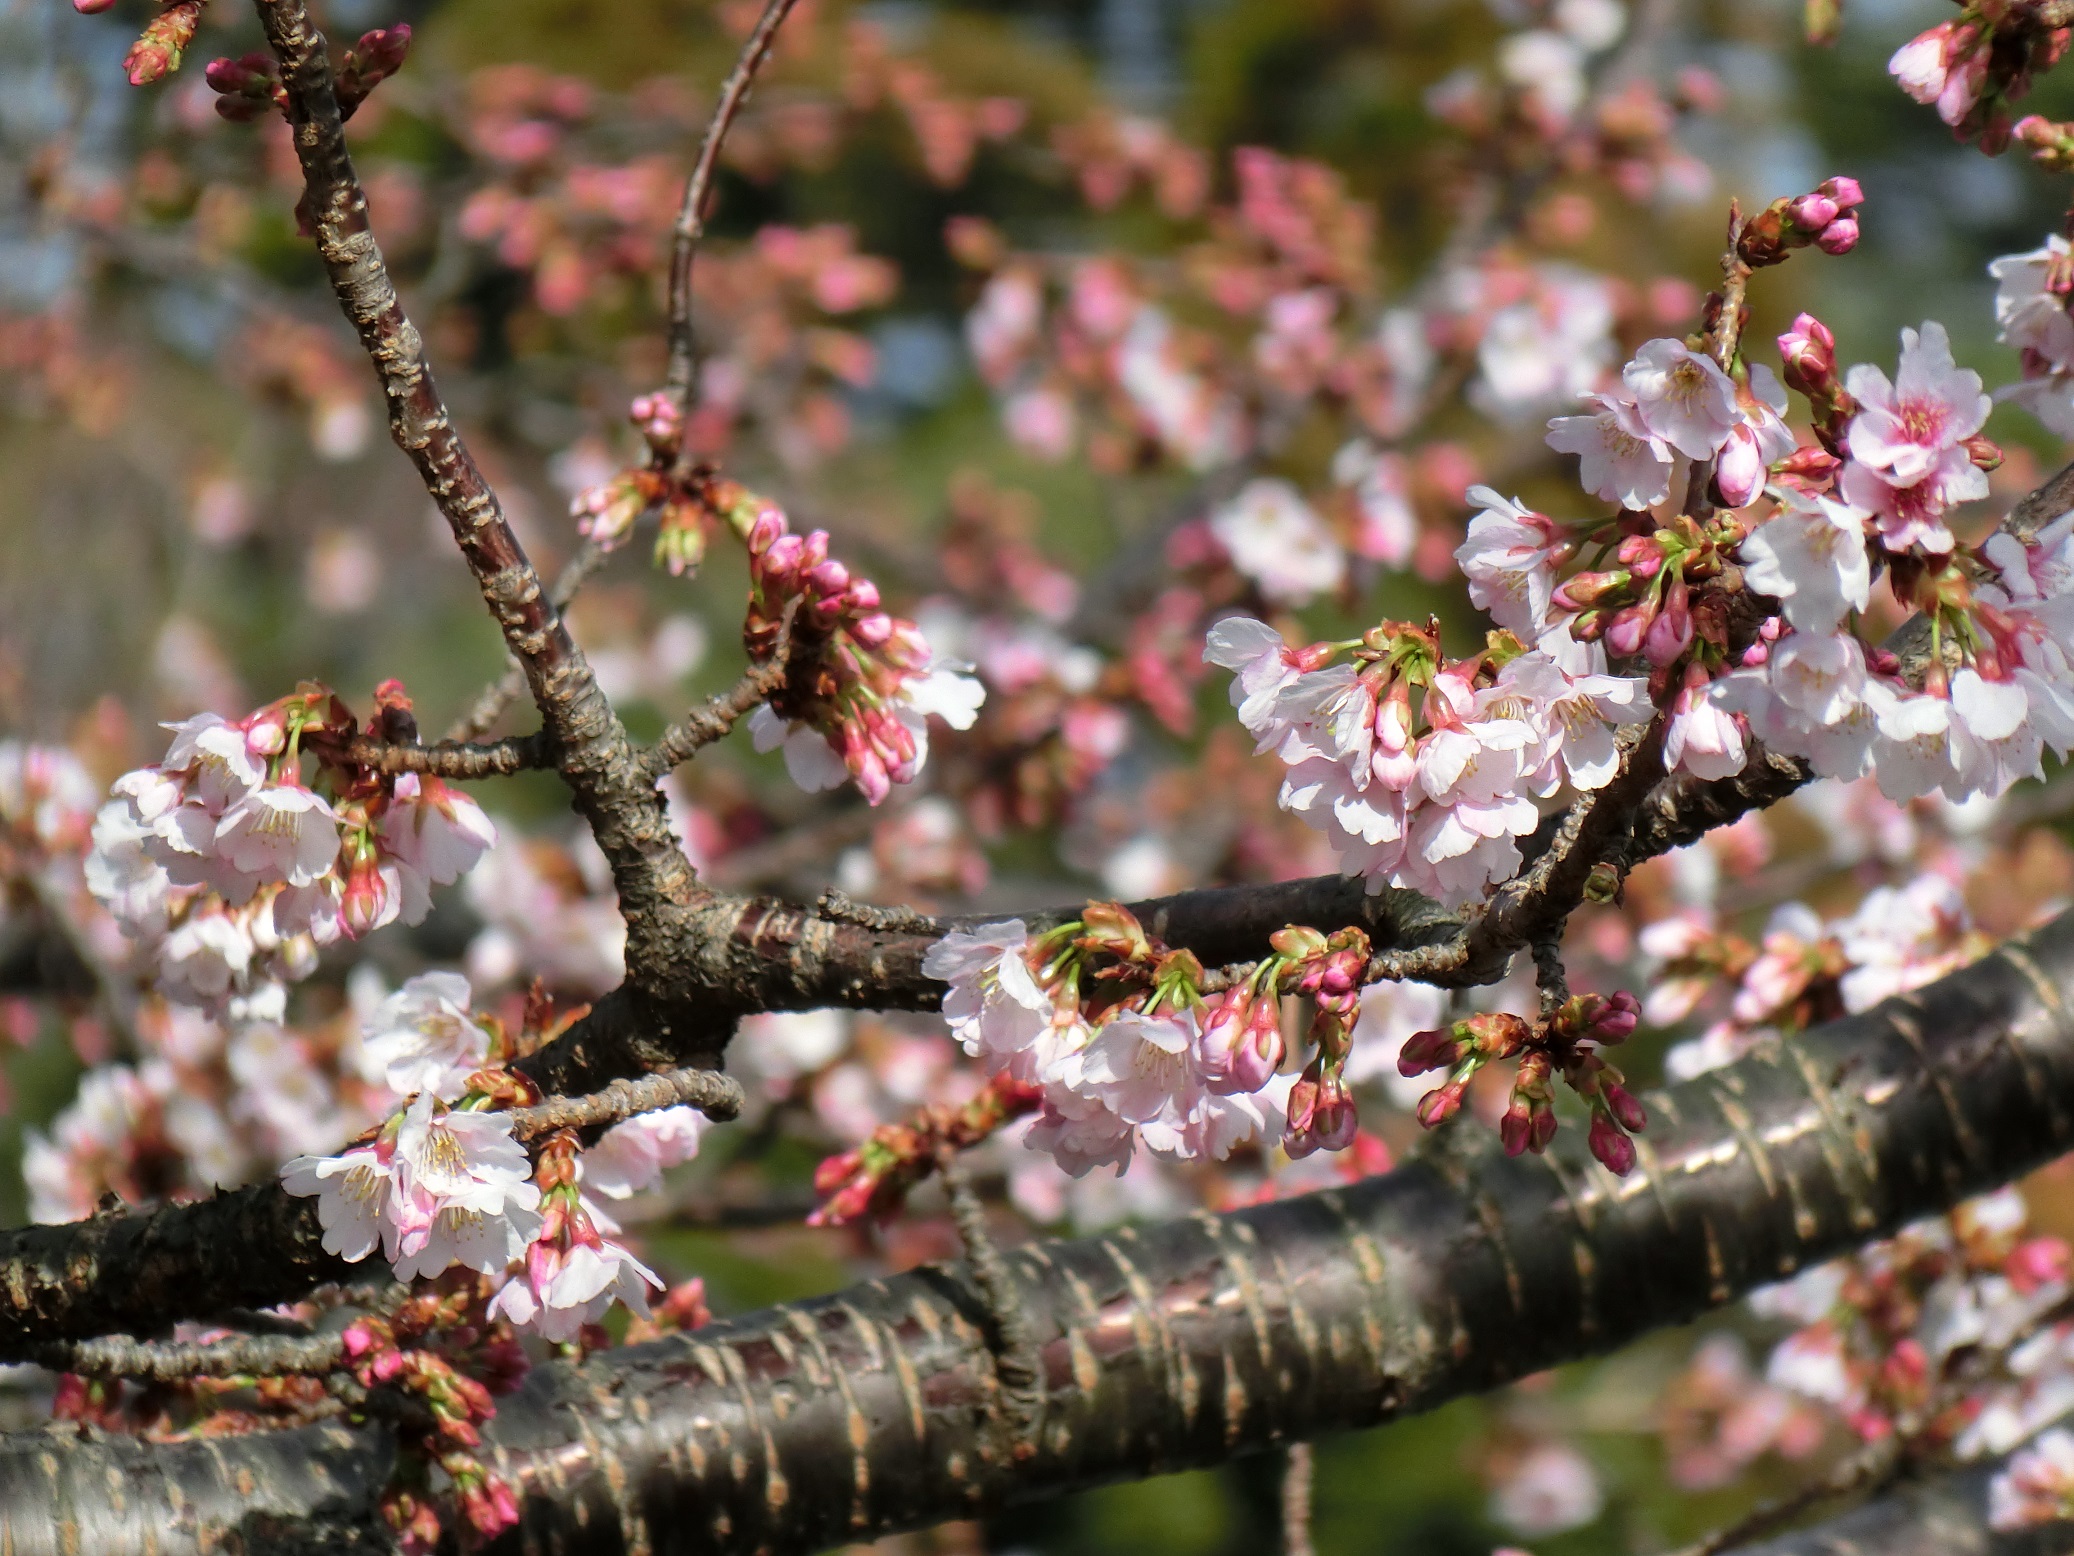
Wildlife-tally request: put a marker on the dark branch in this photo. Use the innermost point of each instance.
(1191, 1342)
(164, 1361)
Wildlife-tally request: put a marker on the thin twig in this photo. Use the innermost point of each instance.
(1298, 1471)
(691, 213)
(1871, 1465)
(692, 733)
(451, 759)
(166, 1361)
(716, 1095)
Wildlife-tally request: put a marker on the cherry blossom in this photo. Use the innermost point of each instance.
(359, 1197)
(1510, 559)
(2038, 1485)
(1276, 539)
(632, 1156)
(1911, 435)
(1622, 460)
(422, 1038)
(2031, 308)
(1810, 556)
(1682, 397)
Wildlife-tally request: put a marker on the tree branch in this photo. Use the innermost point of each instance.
(124, 1356)
(1191, 1342)
(682, 740)
(451, 759)
(501, 693)
(1947, 1516)
(713, 1094)
(691, 213)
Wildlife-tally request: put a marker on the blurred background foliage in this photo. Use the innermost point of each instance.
(187, 546)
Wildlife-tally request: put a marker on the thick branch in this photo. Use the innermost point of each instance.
(1191, 1342)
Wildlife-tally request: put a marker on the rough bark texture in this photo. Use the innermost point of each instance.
(1192, 1342)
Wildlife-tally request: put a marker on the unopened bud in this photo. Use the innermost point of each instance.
(1839, 237)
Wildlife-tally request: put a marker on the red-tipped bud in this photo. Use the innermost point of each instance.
(1611, 1147)
(1423, 1051)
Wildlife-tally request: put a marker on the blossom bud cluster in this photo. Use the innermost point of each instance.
(1824, 217)
(1110, 1033)
(860, 683)
(158, 49)
(246, 87)
(572, 1272)
(451, 1357)
(224, 844)
(1972, 67)
(873, 1178)
(1566, 1043)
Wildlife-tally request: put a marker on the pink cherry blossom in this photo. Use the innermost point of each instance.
(1682, 397)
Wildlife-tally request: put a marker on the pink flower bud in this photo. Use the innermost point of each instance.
(1812, 212)
(769, 525)
(1641, 555)
(782, 558)
(1844, 190)
(813, 551)
(872, 631)
(1625, 1108)
(1617, 1022)
(1839, 237)
(1739, 472)
(864, 595)
(1611, 1147)
(1441, 1104)
(91, 7)
(829, 578)
(1670, 635)
(1423, 1051)
(1625, 632)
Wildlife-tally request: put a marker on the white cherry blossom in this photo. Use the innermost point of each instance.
(632, 1156)
(356, 1198)
(1811, 557)
(1682, 397)
(1508, 559)
(1622, 460)
(1276, 539)
(422, 1038)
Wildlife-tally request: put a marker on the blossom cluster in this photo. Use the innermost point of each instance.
(1112, 1030)
(1802, 970)
(444, 1181)
(223, 857)
(860, 683)
(1432, 795)
(1723, 519)
(1974, 65)
(1946, 1333)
